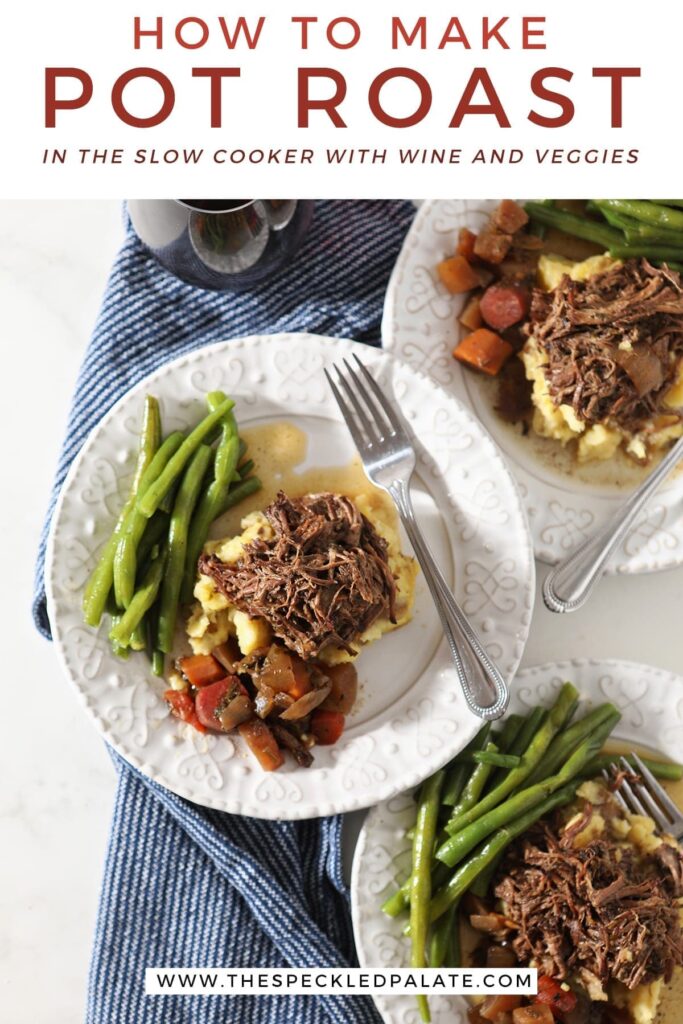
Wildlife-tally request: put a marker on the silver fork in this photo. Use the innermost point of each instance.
(389, 460)
(570, 584)
(647, 797)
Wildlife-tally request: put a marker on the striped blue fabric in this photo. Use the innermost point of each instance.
(185, 886)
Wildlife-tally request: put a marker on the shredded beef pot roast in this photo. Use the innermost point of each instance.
(598, 912)
(581, 325)
(322, 580)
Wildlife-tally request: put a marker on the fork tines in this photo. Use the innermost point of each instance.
(374, 420)
(638, 792)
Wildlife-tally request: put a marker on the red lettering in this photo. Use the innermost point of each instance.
(306, 104)
(419, 30)
(304, 22)
(528, 32)
(138, 33)
(355, 33)
(563, 102)
(454, 26)
(241, 28)
(616, 76)
(493, 33)
(216, 76)
(142, 122)
(203, 28)
(479, 76)
(52, 104)
(410, 119)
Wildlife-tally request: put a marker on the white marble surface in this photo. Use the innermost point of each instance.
(58, 781)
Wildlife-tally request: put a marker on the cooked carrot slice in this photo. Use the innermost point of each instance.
(201, 669)
(483, 350)
(503, 305)
(327, 726)
(302, 678)
(466, 240)
(262, 744)
(457, 275)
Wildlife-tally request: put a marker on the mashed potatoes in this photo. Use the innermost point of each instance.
(596, 442)
(214, 619)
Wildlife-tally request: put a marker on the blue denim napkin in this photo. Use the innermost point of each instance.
(185, 886)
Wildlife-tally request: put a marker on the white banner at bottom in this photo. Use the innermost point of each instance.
(343, 981)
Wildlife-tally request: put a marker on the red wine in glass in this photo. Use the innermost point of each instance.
(222, 244)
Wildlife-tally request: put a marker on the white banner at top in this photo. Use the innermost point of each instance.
(352, 99)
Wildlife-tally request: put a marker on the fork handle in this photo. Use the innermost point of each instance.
(570, 584)
(484, 688)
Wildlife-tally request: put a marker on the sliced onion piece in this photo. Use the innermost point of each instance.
(239, 710)
(304, 705)
(278, 670)
(344, 679)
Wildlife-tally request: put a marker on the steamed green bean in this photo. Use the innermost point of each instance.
(421, 878)
(462, 842)
(126, 554)
(663, 253)
(467, 872)
(566, 700)
(149, 500)
(100, 582)
(458, 772)
(667, 770)
(569, 738)
(211, 506)
(647, 211)
(573, 224)
(227, 451)
(496, 759)
(185, 502)
(143, 599)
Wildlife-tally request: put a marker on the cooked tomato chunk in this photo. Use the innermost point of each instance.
(182, 706)
(212, 700)
(551, 992)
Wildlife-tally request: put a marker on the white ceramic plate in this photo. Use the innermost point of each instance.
(411, 717)
(564, 503)
(651, 703)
